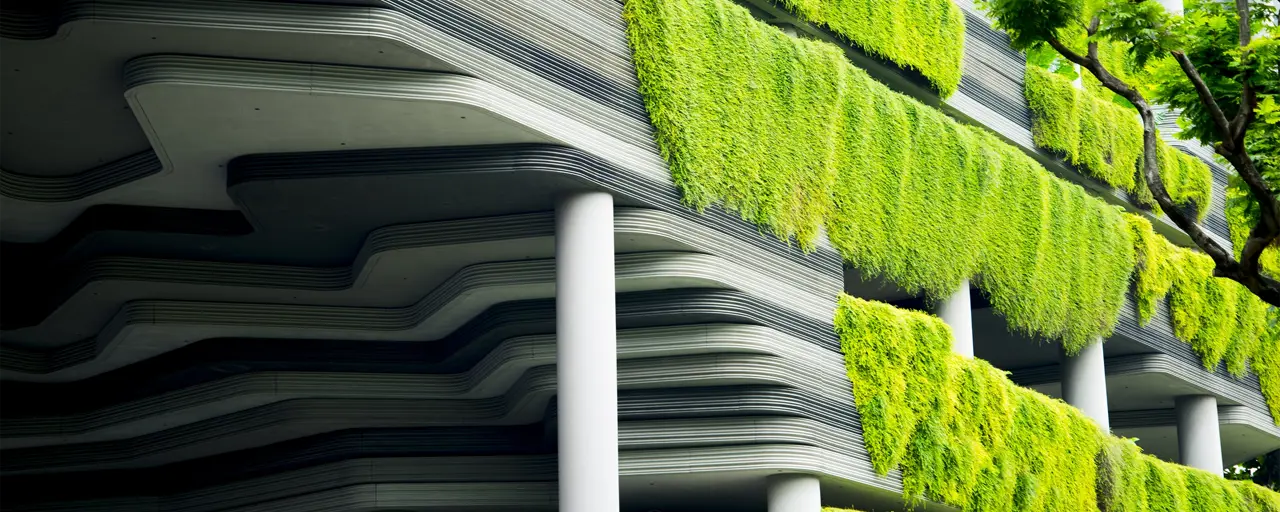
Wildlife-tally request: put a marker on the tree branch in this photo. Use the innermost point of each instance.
(1248, 99)
(1242, 10)
(1268, 227)
(1206, 97)
(1247, 271)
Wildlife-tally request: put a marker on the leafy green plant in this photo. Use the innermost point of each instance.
(1105, 140)
(1242, 215)
(1218, 65)
(795, 138)
(924, 35)
(963, 434)
(1219, 318)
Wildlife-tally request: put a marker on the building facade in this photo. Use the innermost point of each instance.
(428, 255)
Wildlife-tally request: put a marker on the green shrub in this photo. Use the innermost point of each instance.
(925, 35)
(1242, 213)
(1104, 139)
(964, 435)
(796, 139)
(1100, 137)
(1197, 300)
(793, 137)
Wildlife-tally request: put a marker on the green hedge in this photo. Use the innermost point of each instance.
(925, 35)
(963, 434)
(793, 137)
(1105, 140)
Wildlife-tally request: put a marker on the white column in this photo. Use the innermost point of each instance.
(586, 354)
(1084, 383)
(1199, 442)
(794, 492)
(957, 313)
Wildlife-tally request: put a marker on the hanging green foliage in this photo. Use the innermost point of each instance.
(1186, 178)
(1105, 140)
(1219, 318)
(924, 35)
(1131, 481)
(960, 431)
(793, 137)
(1100, 137)
(964, 435)
(1242, 213)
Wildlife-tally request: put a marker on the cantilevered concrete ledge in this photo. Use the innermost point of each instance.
(214, 359)
(545, 51)
(735, 384)
(387, 271)
(490, 377)
(1191, 377)
(1245, 432)
(56, 189)
(146, 328)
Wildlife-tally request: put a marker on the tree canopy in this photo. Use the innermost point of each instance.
(1218, 65)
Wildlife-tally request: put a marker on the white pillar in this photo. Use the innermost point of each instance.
(957, 313)
(586, 354)
(1084, 383)
(794, 492)
(1199, 443)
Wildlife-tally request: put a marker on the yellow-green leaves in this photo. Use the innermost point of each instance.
(1104, 140)
(1100, 137)
(795, 138)
(924, 35)
(1221, 319)
(960, 431)
(1242, 213)
(1187, 179)
(963, 434)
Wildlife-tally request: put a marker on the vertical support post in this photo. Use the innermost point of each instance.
(794, 492)
(1199, 441)
(1084, 383)
(957, 313)
(586, 354)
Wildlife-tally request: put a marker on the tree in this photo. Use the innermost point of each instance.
(1219, 64)
(1263, 470)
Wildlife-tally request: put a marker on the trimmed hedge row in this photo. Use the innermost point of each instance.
(963, 434)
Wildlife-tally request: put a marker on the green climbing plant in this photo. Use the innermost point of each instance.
(1104, 139)
(924, 35)
(789, 134)
(793, 137)
(964, 435)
